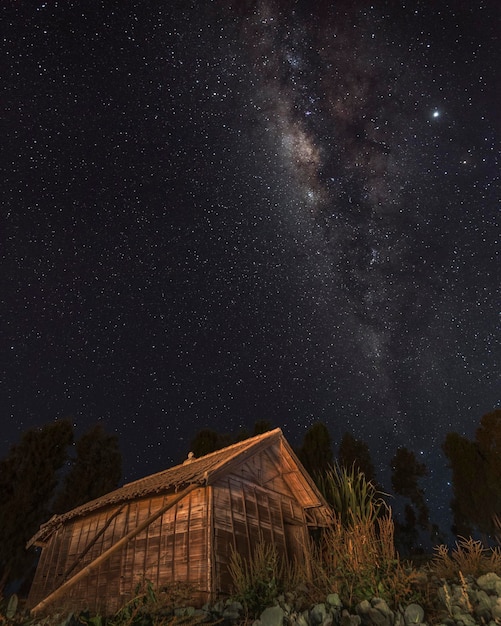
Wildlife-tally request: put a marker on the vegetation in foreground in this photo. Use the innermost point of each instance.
(354, 559)
(355, 565)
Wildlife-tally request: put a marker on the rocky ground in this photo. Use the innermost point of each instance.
(472, 601)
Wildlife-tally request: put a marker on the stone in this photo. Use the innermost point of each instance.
(334, 600)
(466, 619)
(379, 614)
(496, 610)
(376, 618)
(218, 607)
(318, 614)
(349, 620)
(413, 614)
(371, 616)
(490, 583)
(363, 607)
(272, 616)
(382, 607)
(232, 611)
(482, 608)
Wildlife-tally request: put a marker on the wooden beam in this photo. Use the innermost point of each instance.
(91, 543)
(107, 553)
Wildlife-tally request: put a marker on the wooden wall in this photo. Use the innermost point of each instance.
(174, 547)
(250, 505)
(191, 542)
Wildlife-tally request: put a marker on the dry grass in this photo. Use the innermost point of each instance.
(259, 579)
(360, 562)
(468, 558)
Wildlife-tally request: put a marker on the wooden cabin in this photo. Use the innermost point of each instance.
(178, 525)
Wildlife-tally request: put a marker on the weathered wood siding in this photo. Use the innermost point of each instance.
(252, 491)
(252, 504)
(173, 548)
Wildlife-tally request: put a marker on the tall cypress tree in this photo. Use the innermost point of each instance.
(207, 441)
(96, 470)
(316, 452)
(407, 471)
(355, 453)
(476, 476)
(28, 478)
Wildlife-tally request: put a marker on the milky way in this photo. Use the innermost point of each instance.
(348, 107)
(261, 210)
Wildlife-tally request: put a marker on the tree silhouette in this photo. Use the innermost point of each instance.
(262, 426)
(96, 470)
(28, 478)
(406, 473)
(355, 453)
(207, 441)
(476, 476)
(316, 452)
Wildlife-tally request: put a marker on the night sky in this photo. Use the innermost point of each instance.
(215, 213)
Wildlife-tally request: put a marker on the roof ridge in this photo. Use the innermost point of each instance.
(244, 443)
(195, 471)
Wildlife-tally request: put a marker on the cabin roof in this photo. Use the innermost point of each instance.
(204, 471)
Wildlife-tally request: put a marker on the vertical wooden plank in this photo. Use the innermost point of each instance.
(211, 557)
(246, 517)
(129, 551)
(147, 540)
(258, 516)
(160, 539)
(45, 577)
(115, 561)
(231, 516)
(188, 539)
(270, 516)
(174, 530)
(49, 584)
(61, 552)
(94, 581)
(78, 548)
(282, 525)
(123, 553)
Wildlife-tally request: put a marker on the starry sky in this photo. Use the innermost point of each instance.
(218, 212)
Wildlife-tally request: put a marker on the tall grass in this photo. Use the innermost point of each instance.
(359, 562)
(258, 580)
(355, 556)
(352, 497)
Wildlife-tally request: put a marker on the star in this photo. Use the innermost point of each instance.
(239, 215)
